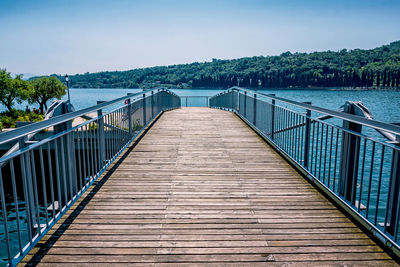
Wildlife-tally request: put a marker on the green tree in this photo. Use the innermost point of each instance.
(12, 90)
(45, 89)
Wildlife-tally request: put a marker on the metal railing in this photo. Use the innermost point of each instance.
(42, 179)
(194, 101)
(345, 157)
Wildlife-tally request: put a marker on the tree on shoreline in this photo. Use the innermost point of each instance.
(12, 90)
(45, 89)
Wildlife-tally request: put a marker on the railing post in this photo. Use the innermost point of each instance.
(237, 101)
(152, 104)
(255, 110)
(307, 137)
(71, 172)
(101, 136)
(27, 184)
(129, 114)
(272, 118)
(6, 228)
(245, 100)
(233, 100)
(144, 109)
(349, 159)
(394, 193)
(69, 180)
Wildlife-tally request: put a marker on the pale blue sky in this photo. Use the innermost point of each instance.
(77, 36)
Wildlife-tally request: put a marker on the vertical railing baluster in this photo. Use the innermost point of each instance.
(330, 158)
(316, 148)
(53, 204)
(245, 105)
(306, 148)
(379, 186)
(370, 179)
(95, 139)
(336, 155)
(326, 150)
(255, 110)
(35, 191)
(152, 104)
(80, 167)
(70, 146)
(89, 165)
(321, 150)
(43, 184)
(29, 218)
(362, 175)
(16, 201)
(272, 118)
(392, 210)
(298, 133)
(29, 198)
(144, 109)
(129, 111)
(64, 173)
(4, 212)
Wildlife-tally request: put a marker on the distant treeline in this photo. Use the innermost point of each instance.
(379, 67)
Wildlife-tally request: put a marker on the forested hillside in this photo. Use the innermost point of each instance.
(379, 67)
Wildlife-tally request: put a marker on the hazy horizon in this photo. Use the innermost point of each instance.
(46, 37)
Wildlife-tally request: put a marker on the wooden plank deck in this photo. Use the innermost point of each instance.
(201, 188)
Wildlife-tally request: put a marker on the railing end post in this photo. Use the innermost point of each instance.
(307, 137)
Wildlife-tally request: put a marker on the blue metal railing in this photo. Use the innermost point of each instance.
(42, 179)
(345, 157)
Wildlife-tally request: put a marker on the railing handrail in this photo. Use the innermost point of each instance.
(206, 96)
(38, 126)
(384, 126)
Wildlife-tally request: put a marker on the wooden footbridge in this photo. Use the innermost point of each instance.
(196, 186)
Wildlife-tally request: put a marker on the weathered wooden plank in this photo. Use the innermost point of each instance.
(219, 250)
(241, 264)
(199, 258)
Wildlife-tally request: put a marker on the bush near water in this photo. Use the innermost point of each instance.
(15, 90)
(9, 119)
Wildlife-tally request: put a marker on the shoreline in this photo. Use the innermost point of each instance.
(264, 88)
